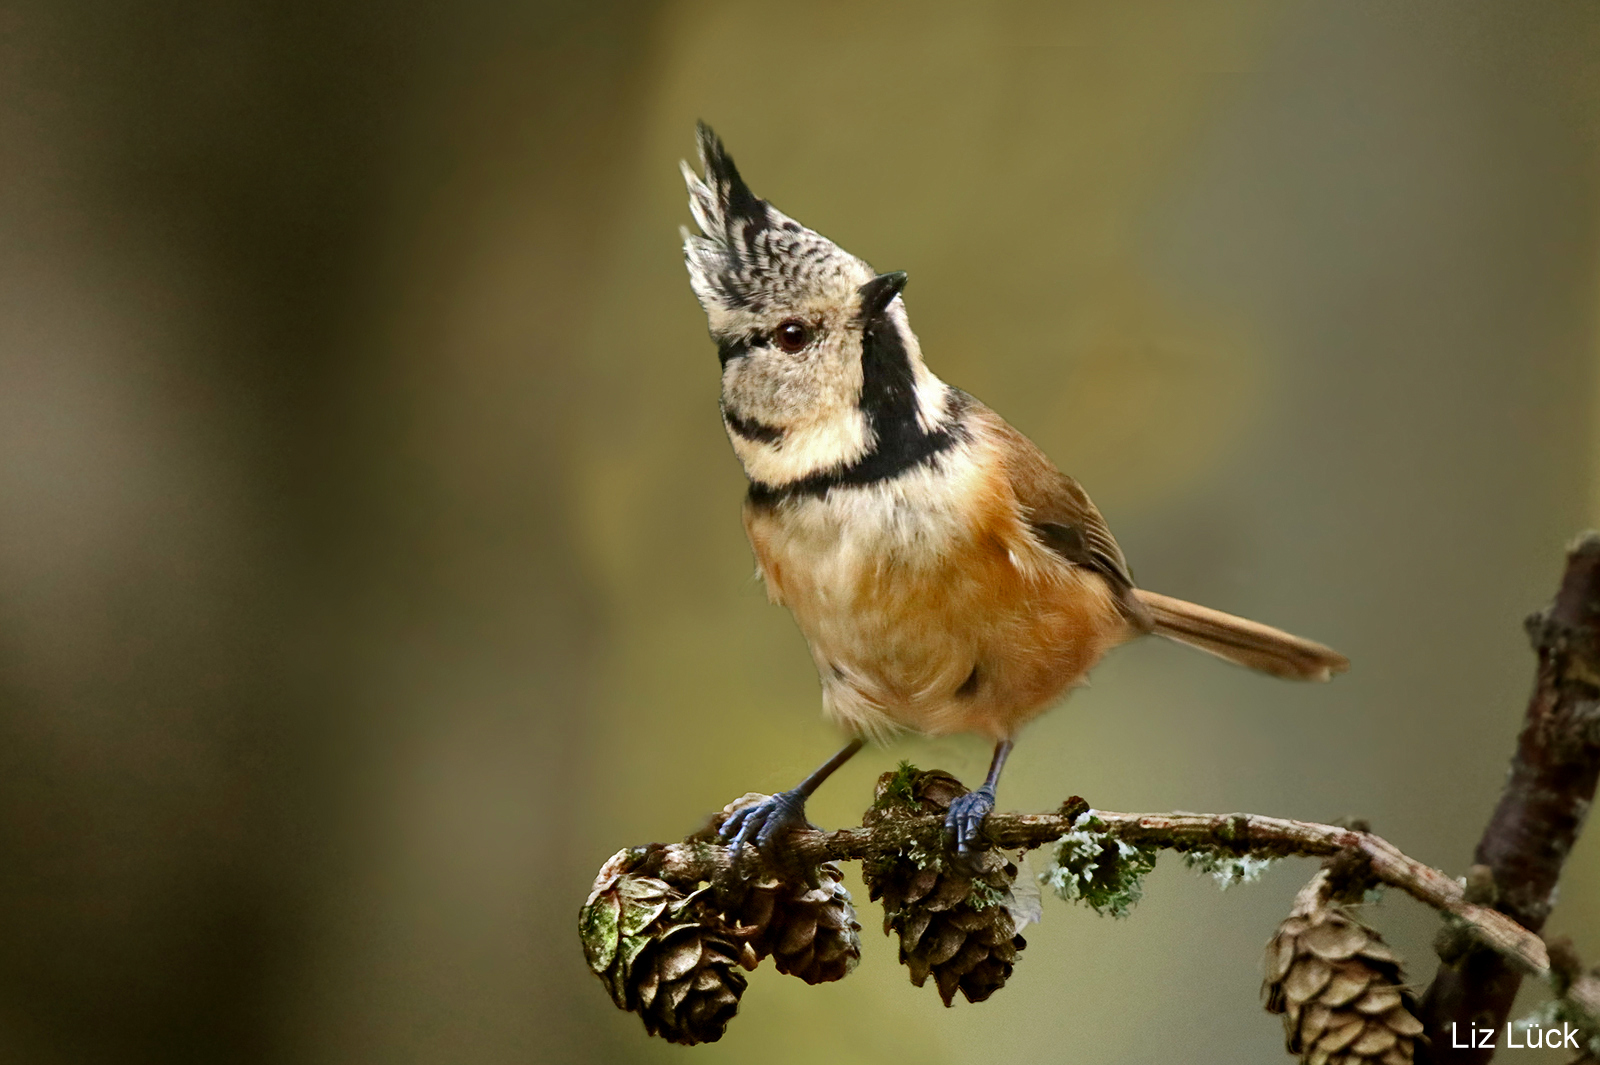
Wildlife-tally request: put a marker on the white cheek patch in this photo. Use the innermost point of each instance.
(809, 403)
(758, 386)
(804, 451)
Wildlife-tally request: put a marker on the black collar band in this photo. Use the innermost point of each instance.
(892, 455)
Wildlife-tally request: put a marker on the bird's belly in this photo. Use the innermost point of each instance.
(937, 628)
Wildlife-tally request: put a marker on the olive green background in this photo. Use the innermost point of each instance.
(370, 561)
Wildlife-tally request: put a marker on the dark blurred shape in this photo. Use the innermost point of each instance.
(187, 189)
(217, 533)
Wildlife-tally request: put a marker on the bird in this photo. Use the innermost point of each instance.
(946, 576)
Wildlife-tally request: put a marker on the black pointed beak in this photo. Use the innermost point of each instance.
(880, 292)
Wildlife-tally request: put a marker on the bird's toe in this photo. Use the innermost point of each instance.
(767, 825)
(963, 824)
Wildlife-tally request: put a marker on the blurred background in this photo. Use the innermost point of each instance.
(370, 556)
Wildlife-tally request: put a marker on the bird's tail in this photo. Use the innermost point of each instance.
(1241, 641)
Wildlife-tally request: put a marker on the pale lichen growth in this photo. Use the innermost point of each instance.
(983, 895)
(1225, 868)
(1103, 873)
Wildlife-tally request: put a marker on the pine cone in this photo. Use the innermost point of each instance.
(662, 954)
(955, 923)
(1338, 987)
(810, 932)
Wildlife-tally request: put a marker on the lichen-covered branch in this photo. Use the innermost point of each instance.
(1239, 834)
(1550, 787)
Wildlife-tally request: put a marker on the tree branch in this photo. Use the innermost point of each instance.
(1237, 834)
(1550, 788)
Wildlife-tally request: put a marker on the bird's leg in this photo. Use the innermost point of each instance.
(769, 821)
(963, 824)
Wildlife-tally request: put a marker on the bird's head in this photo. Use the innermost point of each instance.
(817, 356)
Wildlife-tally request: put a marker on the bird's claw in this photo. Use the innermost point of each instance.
(767, 825)
(963, 824)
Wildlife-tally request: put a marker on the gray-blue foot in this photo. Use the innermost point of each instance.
(767, 825)
(963, 824)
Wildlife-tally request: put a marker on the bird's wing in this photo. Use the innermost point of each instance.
(1060, 513)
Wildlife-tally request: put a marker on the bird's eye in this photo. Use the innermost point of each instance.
(792, 335)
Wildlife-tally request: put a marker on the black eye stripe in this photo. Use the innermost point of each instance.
(731, 348)
(737, 347)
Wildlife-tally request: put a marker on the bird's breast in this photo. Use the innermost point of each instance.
(928, 605)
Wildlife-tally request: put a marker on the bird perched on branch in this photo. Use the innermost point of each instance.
(947, 577)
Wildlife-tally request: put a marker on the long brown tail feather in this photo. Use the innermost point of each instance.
(1241, 641)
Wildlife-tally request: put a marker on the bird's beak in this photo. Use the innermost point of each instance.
(880, 292)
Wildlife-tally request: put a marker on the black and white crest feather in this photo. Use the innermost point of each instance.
(750, 253)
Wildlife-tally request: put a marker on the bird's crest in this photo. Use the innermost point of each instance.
(749, 255)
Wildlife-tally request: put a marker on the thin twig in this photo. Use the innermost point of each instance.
(1241, 834)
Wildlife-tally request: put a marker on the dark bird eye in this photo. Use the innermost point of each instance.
(792, 335)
